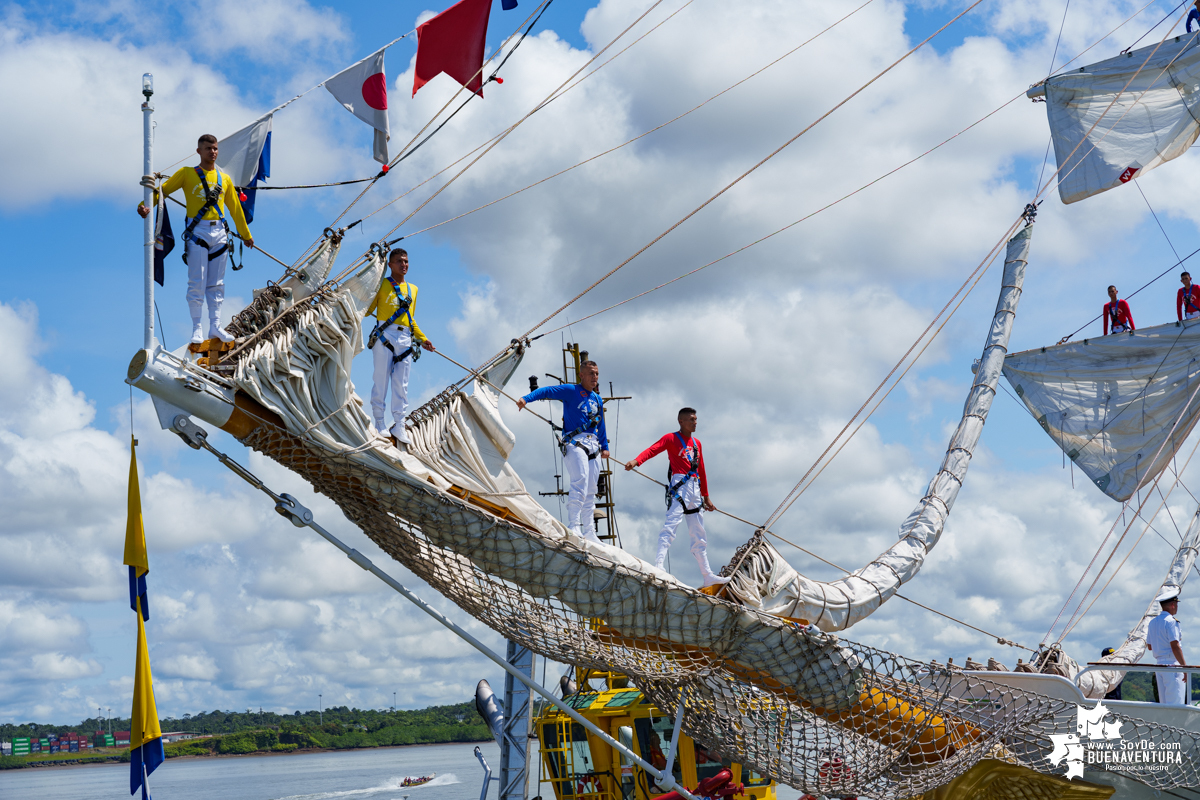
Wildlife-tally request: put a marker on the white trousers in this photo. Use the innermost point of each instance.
(584, 474)
(1172, 686)
(206, 276)
(393, 375)
(690, 492)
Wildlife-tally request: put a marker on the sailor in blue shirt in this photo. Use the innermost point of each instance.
(1163, 637)
(584, 443)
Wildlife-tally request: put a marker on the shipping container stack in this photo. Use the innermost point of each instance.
(21, 746)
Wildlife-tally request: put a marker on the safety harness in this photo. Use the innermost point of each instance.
(591, 422)
(212, 197)
(1189, 306)
(1115, 313)
(673, 492)
(402, 305)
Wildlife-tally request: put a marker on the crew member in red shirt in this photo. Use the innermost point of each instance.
(687, 492)
(1187, 299)
(1116, 314)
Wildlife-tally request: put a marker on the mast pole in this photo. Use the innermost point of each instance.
(148, 200)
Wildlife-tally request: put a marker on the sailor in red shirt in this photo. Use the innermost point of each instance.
(1116, 314)
(1187, 299)
(687, 492)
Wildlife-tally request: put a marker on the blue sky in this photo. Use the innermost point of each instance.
(776, 346)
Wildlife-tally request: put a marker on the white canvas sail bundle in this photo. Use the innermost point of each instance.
(1153, 119)
(1115, 402)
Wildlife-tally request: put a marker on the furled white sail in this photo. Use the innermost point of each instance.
(760, 576)
(1113, 402)
(1098, 684)
(1153, 119)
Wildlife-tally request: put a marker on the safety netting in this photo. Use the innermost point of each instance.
(777, 694)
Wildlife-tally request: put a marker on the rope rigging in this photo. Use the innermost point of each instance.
(401, 155)
(778, 231)
(489, 145)
(470, 153)
(764, 160)
(517, 124)
(999, 639)
(639, 136)
(995, 249)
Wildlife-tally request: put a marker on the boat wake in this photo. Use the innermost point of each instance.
(392, 788)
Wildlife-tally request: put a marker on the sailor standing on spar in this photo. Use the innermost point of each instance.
(394, 344)
(584, 442)
(1163, 639)
(210, 195)
(687, 492)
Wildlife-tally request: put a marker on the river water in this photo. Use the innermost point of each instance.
(373, 774)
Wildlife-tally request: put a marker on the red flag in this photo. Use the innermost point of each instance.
(452, 42)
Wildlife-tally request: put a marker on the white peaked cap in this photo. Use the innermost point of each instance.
(1168, 593)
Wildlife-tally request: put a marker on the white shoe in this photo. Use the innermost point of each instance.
(197, 333)
(215, 332)
(590, 535)
(577, 531)
(714, 580)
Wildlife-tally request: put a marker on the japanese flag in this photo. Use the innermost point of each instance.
(362, 89)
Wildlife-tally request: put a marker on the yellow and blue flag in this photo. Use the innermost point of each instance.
(145, 738)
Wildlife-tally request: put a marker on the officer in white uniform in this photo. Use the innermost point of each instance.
(1163, 638)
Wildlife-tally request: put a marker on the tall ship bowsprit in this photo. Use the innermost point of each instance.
(748, 682)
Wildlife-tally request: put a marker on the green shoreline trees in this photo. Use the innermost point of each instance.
(232, 732)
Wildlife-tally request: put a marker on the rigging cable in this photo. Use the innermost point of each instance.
(800, 486)
(551, 100)
(402, 154)
(311, 89)
(639, 136)
(1178, 261)
(516, 124)
(796, 491)
(1075, 58)
(503, 135)
(1155, 25)
(767, 158)
(1054, 55)
(789, 225)
(999, 639)
(823, 208)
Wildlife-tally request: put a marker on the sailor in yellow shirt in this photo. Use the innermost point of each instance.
(395, 345)
(210, 195)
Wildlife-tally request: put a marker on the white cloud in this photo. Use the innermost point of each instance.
(267, 30)
(241, 601)
(85, 147)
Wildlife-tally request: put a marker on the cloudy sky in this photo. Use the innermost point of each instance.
(776, 346)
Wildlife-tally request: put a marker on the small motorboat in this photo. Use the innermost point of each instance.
(408, 782)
